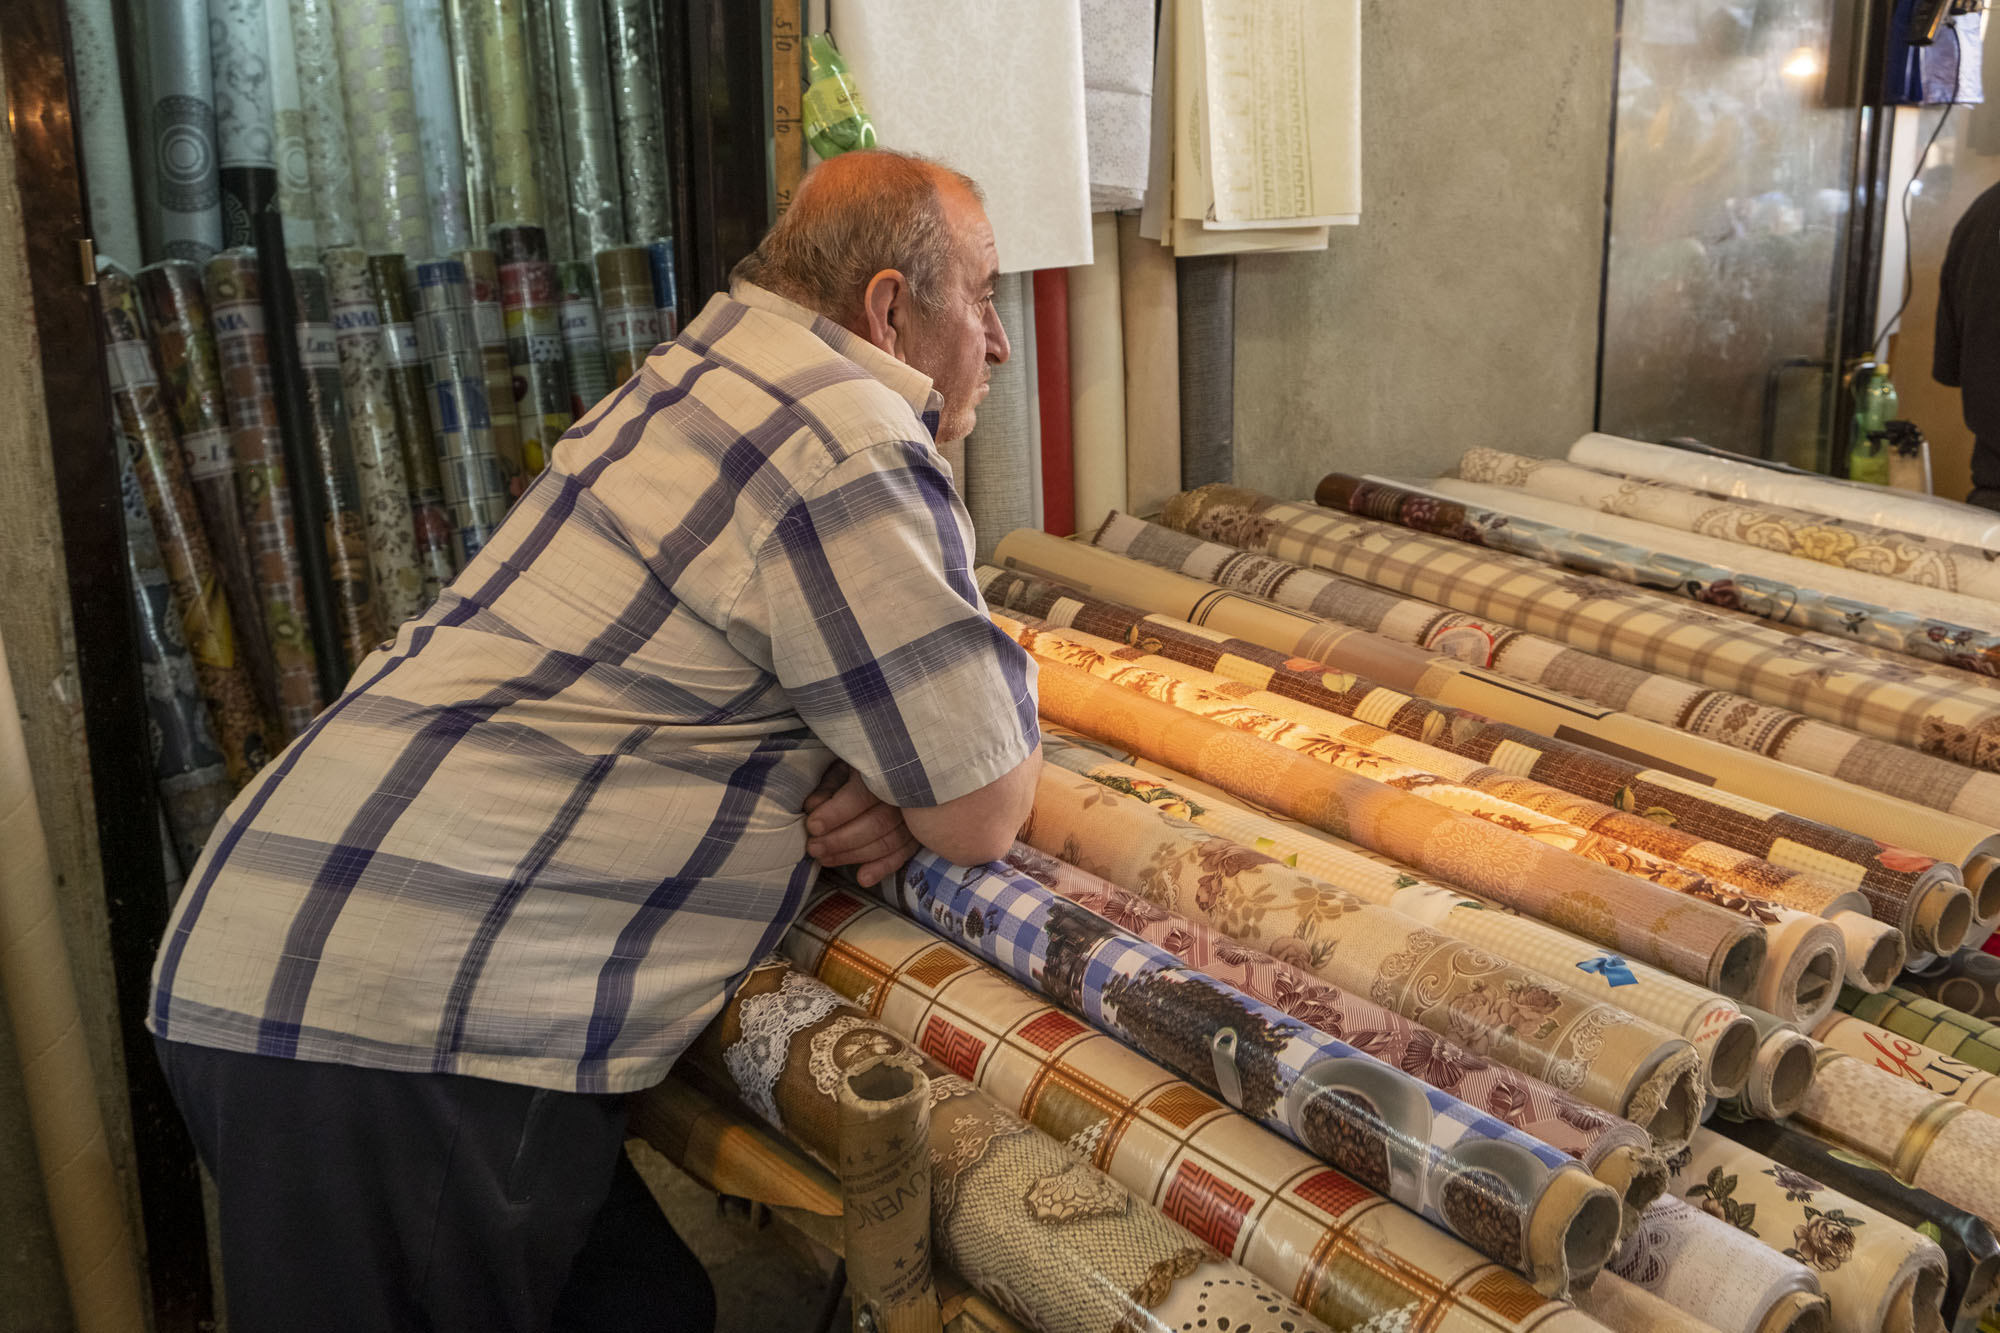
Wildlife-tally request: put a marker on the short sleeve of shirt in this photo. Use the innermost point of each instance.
(863, 601)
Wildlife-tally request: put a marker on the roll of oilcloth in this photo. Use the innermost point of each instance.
(1969, 982)
(1719, 1273)
(1722, 1037)
(1617, 1152)
(181, 125)
(590, 136)
(1391, 676)
(1693, 940)
(1386, 610)
(434, 98)
(475, 490)
(631, 321)
(1300, 1225)
(1151, 325)
(1581, 1043)
(1616, 1303)
(632, 45)
(1511, 1197)
(883, 1142)
(245, 128)
(530, 298)
(191, 374)
(188, 766)
(995, 481)
(387, 518)
(1972, 1256)
(262, 487)
(1909, 1059)
(1097, 377)
(510, 122)
(330, 163)
(1304, 691)
(101, 130)
(666, 288)
(482, 271)
(1207, 306)
(1052, 398)
(296, 206)
(1083, 1254)
(551, 165)
(409, 393)
(466, 22)
(346, 521)
(1876, 1272)
(1782, 1073)
(582, 335)
(245, 734)
(1921, 1019)
(382, 126)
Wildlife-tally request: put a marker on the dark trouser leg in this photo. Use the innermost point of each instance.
(1986, 497)
(634, 1273)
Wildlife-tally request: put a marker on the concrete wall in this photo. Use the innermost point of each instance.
(1463, 309)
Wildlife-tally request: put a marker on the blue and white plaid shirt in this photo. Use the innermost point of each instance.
(549, 827)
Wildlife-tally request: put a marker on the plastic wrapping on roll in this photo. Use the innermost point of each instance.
(633, 49)
(582, 334)
(102, 133)
(666, 288)
(530, 297)
(509, 122)
(185, 196)
(387, 518)
(239, 43)
(191, 375)
(630, 320)
(1207, 304)
(550, 164)
(590, 136)
(296, 207)
(382, 126)
(438, 556)
(475, 488)
(316, 47)
(262, 487)
(436, 106)
(465, 21)
(482, 274)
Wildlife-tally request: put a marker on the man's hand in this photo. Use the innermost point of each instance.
(846, 825)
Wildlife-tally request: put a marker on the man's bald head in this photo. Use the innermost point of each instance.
(854, 216)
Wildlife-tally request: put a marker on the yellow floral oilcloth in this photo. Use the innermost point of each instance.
(1337, 1247)
(1876, 1273)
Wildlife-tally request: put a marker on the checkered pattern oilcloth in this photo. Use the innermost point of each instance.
(547, 829)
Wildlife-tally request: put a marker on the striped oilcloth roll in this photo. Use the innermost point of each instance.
(995, 483)
(1207, 308)
(1925, 562)
(1963, 647)
(1875, 505)
(1971, 1040)
(1359, 711)
(1694, 940)
(1297, 1223)
(1722, 1038)
(1581, 1043)
(1550, 1220)
(1931, 904)
(1804, 956)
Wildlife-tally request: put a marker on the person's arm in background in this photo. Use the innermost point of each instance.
(848, 825)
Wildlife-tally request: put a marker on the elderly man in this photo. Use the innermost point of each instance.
(1967, 351)
(729, 636)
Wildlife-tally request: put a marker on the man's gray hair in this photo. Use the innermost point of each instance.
(852, 217)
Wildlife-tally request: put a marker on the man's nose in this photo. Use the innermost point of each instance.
(998, 349)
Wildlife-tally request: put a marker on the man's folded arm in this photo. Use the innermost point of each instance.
(981, 825)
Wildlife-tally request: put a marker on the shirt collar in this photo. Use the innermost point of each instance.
(911, 384)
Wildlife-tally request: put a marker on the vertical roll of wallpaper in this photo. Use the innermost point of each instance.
(631, 321)
(330, 163)
(1207, 288)
(1117, 102)
(191, 375)
(434, 91)
(995, 483)
(633, 47)
(884, 1154)
(1151, 323)
(1300, 1225)
(143, 418)
(466, 22)
(551, 164)
(245, 129)
(346, 523)
(666, 291)
(107, 151)
(1052, 397)
(405, 373)
(86, 1202)
(388, 521)
(382, 129)
(1718, 1273)
(296, 206)
(1070, 1248)
(188, 767)
(482, 273)
(1909, 1059)
(590, 138)
(529, 296)
(1025, 352)
(181, 126)
(262, 487)
(510, 120)
(582, 335)
(474, 487)
(1097, 377)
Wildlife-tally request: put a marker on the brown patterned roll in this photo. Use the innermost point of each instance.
(438, 559)
(482, 272)
(191, 377)
(531, 299)
(630, 321)
(246, 734)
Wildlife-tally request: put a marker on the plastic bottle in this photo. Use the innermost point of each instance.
(836, 120)
(1874, 408)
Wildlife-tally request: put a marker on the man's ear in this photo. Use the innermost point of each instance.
(888, 295)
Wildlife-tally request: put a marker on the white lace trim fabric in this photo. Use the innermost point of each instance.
(756, 1059)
